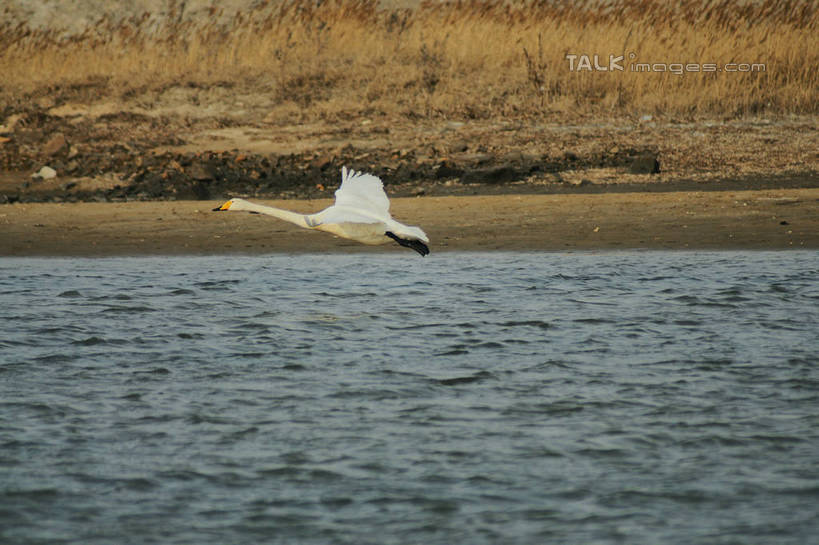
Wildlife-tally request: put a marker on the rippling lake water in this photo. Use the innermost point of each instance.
(641, 397)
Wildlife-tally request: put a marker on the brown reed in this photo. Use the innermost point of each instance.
(468, 59)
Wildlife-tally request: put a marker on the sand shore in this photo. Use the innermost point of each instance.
(767, 219)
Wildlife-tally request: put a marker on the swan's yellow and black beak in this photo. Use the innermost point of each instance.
(224, 207)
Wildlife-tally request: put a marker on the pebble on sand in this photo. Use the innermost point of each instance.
(45, 173)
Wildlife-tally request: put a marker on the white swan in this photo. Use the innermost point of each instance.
(361, 212)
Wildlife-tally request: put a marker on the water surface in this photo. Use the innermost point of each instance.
(641, 397)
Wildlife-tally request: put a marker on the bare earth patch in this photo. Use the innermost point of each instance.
(180, 145)
(768, 219)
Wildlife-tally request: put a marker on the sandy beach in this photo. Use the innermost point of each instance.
(769, 219)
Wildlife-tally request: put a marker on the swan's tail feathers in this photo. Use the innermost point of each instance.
(412, 232)
(416, 245)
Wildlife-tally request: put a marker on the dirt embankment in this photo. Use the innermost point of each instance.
(188, 143)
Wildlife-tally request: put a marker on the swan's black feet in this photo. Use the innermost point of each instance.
(416, 245)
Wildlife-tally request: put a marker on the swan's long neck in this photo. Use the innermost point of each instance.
(286, 215)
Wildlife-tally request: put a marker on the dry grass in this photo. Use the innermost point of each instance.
(457, 60)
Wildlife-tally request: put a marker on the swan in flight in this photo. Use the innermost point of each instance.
(361, 212)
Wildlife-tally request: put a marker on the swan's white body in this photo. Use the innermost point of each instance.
(361, 212)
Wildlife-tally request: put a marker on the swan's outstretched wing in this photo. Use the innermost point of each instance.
(362, 191)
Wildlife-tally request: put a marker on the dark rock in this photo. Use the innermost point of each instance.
(323, 162)
(447, 170)
(199, 191)
(473, 159)
(645, 164)
(201, 172)
(492, 175)
(519, 157)
(55, 145)
(460, 146)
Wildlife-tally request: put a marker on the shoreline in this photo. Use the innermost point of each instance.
(769, 219)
